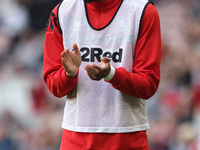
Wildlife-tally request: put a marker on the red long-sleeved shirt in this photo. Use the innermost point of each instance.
(142, 82)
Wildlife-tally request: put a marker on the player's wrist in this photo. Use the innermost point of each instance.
(70, 75)
(110, 74)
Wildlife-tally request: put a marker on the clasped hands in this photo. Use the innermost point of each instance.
(72, 60)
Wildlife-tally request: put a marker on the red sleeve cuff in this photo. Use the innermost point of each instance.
(117, 78)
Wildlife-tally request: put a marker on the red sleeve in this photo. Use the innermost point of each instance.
(53, 72)
(144, 80)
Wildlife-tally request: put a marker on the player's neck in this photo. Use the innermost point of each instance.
(103, 5)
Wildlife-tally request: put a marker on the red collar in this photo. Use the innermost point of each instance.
(103, 6)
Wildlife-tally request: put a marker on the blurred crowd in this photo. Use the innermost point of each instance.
(30, 117)
(174, 111)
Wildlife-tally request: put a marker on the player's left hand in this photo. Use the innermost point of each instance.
(97, 72)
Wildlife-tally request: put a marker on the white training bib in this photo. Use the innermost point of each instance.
(95, 106)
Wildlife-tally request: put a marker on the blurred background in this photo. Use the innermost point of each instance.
(30, 117)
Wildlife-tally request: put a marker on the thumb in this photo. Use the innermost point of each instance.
(105, 59)
(76, 49)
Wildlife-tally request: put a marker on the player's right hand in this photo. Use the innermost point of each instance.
(71, 61)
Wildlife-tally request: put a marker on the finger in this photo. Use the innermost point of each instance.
(88, 68)
(89, 73)
(95, 66)
(96, 69)
(92, 69)
(93, 77)
(105, 59)
(76, 49)
(64, 62)
(65, 53)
